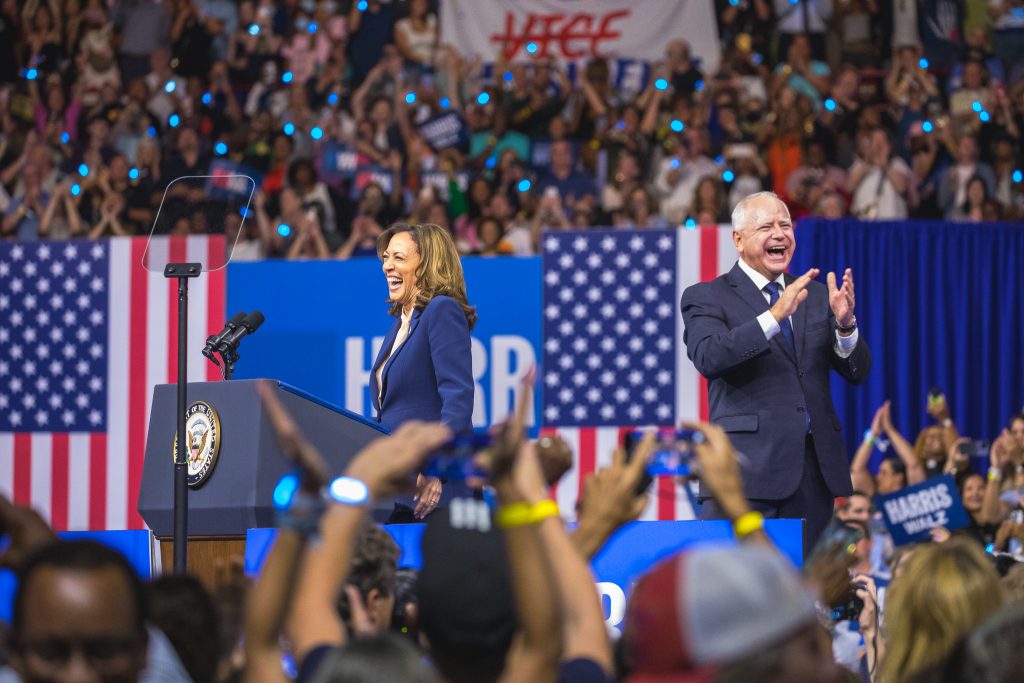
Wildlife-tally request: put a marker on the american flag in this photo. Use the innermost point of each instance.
(85, 333)
(613, 354)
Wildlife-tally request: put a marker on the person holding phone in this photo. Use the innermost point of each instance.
(767, 342)
(424, 368)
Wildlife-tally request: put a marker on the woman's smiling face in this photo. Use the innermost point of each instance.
(400, 260)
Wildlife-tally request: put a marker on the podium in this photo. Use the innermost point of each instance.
(237, 492)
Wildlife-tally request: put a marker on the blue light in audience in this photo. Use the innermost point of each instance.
(690, 224)
(244, 212)
(286, 77)
(445, 103)
(254, 29)
(332, 99)
(756, 58)
(410, 97)
(976, 106)
(312, 27)
(83, 170)
(1018, 176)
(728, 176)
(719, 160)
(734, 3)
(284, 230)
(984, 117)
(65, 138)
(170, 86)
(151, 131)
(362, 5)
(31, 74)
(491, 161)
(661, 84)
(674, 163)
(76, 189)
(923, 63)
(133, 174)
(483, 98)
(289, 128)
(285, 490)
(220, 148)
(174, 120)
(531, 48)
(698, 86)
(524, 185)
(507, 76)
(830, 104)
(207, 98)
(927, 127)
(677, 125)
(316, 133)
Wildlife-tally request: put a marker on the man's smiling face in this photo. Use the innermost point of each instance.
(765, 241)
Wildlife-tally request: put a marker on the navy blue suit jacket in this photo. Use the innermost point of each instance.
(430, 375)
(758, 390)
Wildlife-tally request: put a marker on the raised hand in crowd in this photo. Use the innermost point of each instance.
(28, 532)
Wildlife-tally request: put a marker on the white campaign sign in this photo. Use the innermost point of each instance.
(573, 30)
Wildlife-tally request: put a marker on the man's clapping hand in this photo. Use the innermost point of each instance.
(841, 299)
(793, 295)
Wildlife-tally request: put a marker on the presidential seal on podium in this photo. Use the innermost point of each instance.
(202, 427)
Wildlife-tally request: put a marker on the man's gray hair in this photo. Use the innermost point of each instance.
(739, 212)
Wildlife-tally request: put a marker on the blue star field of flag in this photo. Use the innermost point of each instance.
(53, 336)
(609, 327)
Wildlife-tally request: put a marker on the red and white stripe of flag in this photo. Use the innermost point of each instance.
(91, 481)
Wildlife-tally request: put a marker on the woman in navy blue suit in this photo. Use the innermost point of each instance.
(424, 369)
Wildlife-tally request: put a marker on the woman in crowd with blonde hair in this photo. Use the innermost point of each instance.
(942, 592)
(424, 368)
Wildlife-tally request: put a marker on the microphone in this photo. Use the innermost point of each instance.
(214, 340)
(249, 325)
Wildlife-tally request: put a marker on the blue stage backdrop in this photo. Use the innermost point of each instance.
(325, 321)
(941, 304)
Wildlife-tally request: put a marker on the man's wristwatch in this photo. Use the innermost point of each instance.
(846, 330)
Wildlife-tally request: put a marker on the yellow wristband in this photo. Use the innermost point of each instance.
(748, 523)
(524, 514)
(543, 510)
(995, 474)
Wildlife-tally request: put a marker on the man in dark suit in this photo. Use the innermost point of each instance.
(766, 340)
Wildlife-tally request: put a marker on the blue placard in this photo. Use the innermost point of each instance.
(627, 556)
(912, 513)
(364, 175)
(439, 181)
(325, 321)
(228, 181)
(444, 131)
(338, 162)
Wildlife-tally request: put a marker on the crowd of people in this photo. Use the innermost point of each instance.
(879, 110)
(505, 592)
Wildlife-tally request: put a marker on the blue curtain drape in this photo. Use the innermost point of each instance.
(941, 305)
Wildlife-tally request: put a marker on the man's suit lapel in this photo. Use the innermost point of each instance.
(748, 291)
(414, 322)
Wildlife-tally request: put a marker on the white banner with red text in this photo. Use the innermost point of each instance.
(578, 30)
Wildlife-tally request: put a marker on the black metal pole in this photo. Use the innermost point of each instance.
(182, 272)
(181, 462)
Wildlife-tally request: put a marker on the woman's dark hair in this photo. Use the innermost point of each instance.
(299, 166)
(966, 206)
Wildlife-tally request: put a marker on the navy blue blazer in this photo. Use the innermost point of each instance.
(430, 376)
(758, 390)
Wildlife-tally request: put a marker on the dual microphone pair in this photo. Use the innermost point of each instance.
(225, 343)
